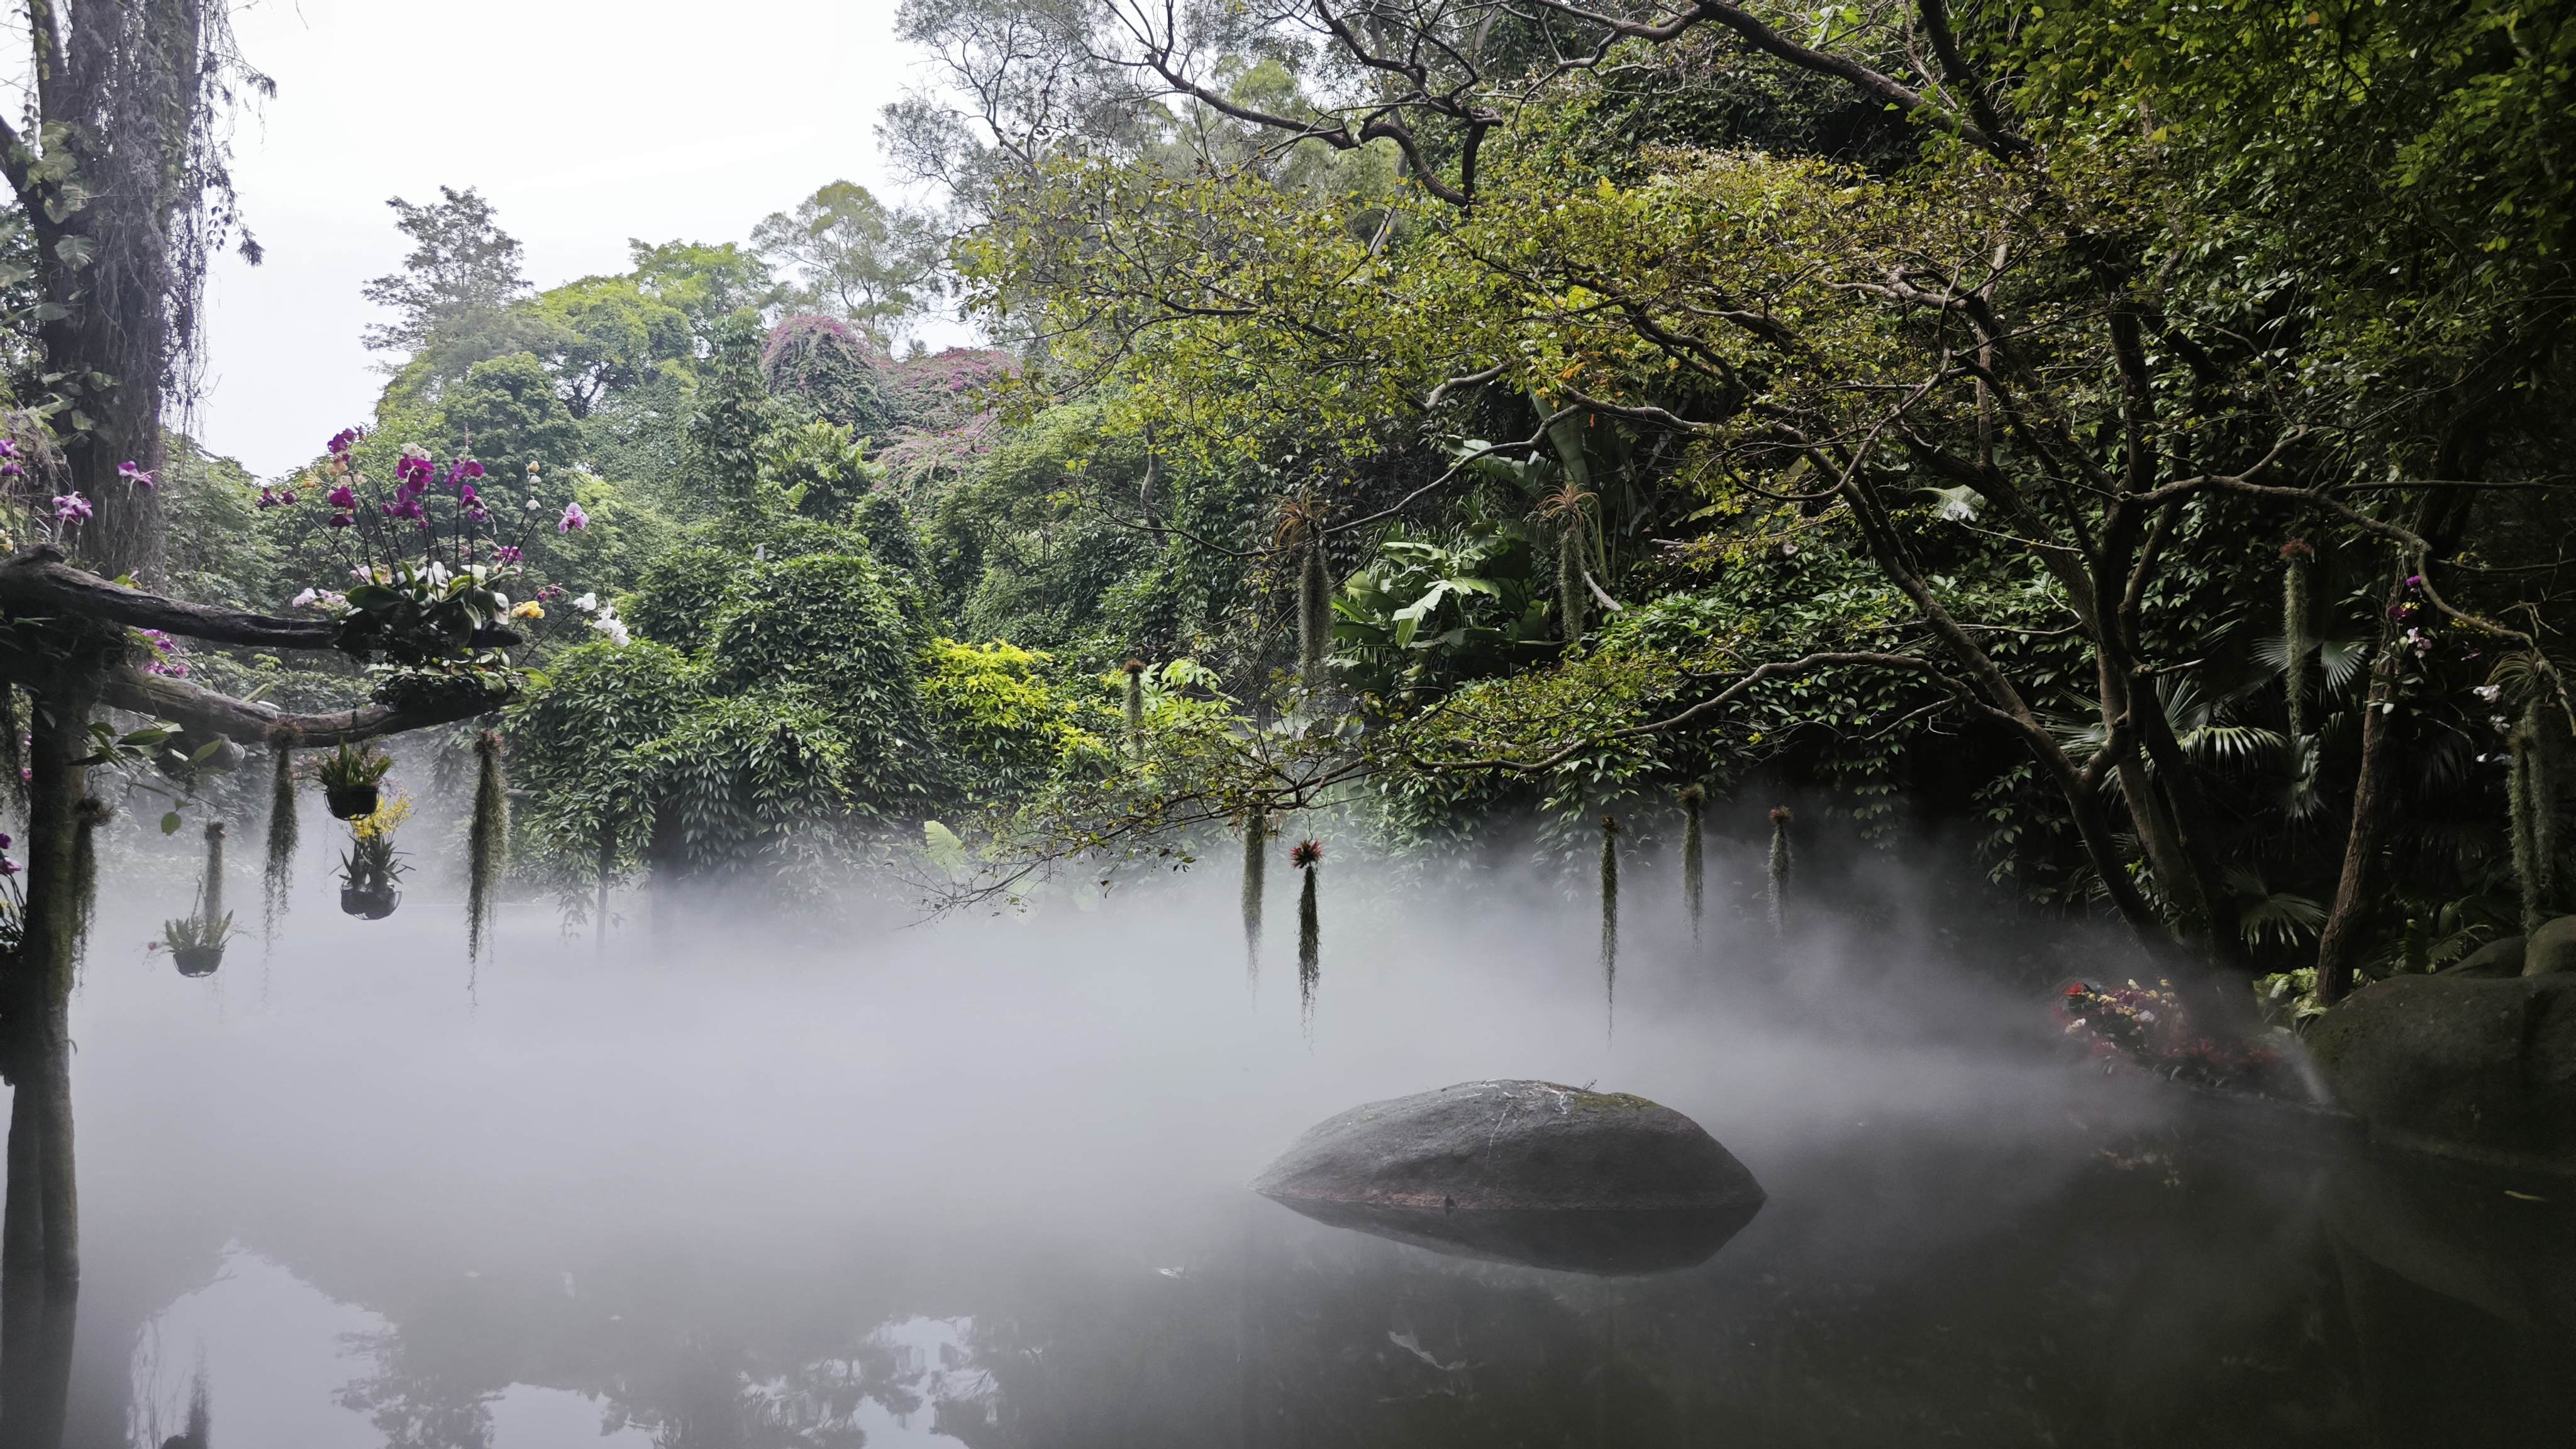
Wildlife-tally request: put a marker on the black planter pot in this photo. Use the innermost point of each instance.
(372, 905)
(197, 960)
(350, 802)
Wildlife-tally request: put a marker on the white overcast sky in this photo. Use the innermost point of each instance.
(585, 122)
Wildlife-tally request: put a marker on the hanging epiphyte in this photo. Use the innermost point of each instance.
(87, 817)
(607, 876)
(487, 841)
(1306, 855)
(196, 941)
(1694, 862)
(1256, 852)
(1610, 909)
(1134, 669)
(350, 778)
(1779, 886)
(279, 877)
(371, 870)
(1300, 535)
(2296, 557)
(2531, 787)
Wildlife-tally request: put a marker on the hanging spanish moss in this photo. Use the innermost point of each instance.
(607, 874)
(487, 841)
(2296, 557)
(1610, 909)
(1694, 862)
(2531, 792)
(279, 877)
(1314, 612)
(90, 814)
(1569, 575)
(1779, 890)
(1256, 852)
(1135, 671)
(211, 896)
(1305, 856)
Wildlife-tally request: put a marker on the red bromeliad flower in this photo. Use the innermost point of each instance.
(1305, 853)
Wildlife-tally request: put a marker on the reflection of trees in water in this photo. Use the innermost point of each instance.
(685, 1384)
(1918, 1292)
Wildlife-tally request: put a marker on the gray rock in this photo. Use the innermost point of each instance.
(2497, 958)
(2552, 950)
(1523, 1172)
(2485, 1065)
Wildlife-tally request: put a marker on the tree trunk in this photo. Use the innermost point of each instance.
(2339, 945)
(40, 1235)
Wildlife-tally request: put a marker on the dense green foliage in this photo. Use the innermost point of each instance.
(1941, 443)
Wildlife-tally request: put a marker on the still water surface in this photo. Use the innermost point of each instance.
(982, 1183)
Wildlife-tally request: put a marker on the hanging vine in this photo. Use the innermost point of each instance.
(1305, 856)
(1779, 881)
(1610, 909)
(1256, 842)
(1694, 862)
(487, 841)
(279, 877)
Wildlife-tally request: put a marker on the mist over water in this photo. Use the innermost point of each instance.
(731, 1171)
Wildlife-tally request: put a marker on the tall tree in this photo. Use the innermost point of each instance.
(852, 255)
(120, 175)
(462, 266)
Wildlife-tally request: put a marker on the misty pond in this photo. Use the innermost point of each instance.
(982, 1182)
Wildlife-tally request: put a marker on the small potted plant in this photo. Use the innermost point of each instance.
(349, 775)
(367, 876)
(196, 943)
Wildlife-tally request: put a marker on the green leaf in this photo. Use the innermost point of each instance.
(170, 823)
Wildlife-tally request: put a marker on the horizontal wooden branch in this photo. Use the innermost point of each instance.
(38, 581)
(203, 712)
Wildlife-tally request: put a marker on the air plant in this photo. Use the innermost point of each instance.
(2296, 557)
(1694, 862)
(1305, 856)
(607, 874)
(487, 841)
(1256, 851)
(1610, 908)
(1779, 888)
(1134, 669)
(1300, 531)
(280, 875)
(1566, 508)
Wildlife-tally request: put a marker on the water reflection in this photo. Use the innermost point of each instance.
(990, 1191)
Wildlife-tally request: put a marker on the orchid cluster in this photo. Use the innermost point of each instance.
(2413, 612)
(2150, 1027)
(168, 658)
(428, 558)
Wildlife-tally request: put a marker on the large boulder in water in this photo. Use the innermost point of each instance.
(2475, 1067)
(1523, 1172)
(2551, 950)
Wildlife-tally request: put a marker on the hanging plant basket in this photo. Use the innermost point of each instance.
(368, 903)
(197, 960)
(351, 802)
